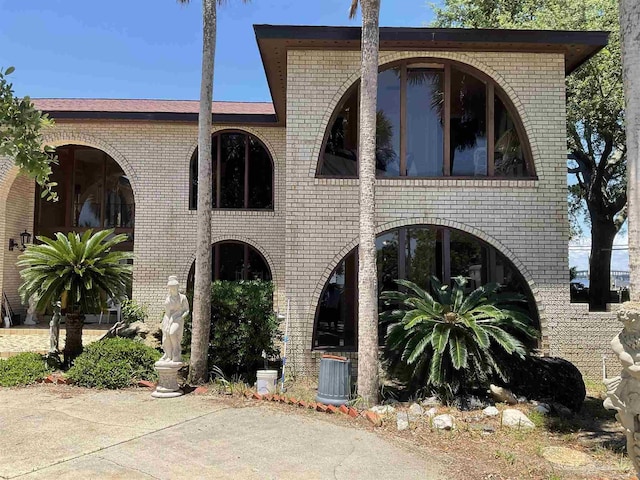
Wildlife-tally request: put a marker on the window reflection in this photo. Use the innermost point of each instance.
(508, 157)
(388, 124)
(424, 123)
(414, 253)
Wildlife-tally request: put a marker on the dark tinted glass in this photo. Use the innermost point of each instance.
(231, 262)
(388, 124)
(54, 214)
(119, 204)
(232, 160)
(468, 125)
(424, 123)
(260, 176)
(509, 157)
(88, 187)
(341, 150)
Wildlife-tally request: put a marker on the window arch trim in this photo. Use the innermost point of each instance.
(218, 177)
(493, 89)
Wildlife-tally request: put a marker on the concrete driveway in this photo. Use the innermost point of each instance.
(58, 432)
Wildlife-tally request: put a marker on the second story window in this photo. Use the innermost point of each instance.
(242, 173)
(434, 118)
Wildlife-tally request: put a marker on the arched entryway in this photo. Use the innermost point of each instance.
(235, 260)
(415, 253)
(94, 193)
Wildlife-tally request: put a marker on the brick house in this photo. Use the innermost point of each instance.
(471, 165)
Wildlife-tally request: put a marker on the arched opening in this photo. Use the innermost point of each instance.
(435, 118)
(94, 193)
(242, 173)
(234, 260)
(414, 253)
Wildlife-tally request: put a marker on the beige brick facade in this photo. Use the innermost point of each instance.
(315, 221)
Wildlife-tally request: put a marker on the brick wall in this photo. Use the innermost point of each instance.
(315, 221)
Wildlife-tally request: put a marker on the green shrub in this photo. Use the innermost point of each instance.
(243, 325)
(23, 369)
(114, 363)
(450, 341)
(133, 312)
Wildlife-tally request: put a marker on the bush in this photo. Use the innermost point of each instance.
(23, 369)
(114, 363)
(451, 341)
(133, 312)
(243, 325)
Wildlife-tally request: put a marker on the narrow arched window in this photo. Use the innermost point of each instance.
(242, 173)
(434, 119)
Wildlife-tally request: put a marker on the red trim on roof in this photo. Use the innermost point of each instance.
(149, 106)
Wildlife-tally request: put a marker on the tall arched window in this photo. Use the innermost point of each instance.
(413, 253)
(434, 118)
(242, 173)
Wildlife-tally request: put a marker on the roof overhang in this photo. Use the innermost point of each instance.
(275, 40)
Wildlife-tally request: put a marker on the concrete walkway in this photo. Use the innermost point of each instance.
(66, 433)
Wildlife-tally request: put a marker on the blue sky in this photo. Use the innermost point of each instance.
(151, 48)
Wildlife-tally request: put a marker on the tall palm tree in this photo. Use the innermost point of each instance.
(201, 312)
(630, 33)
(367, 272)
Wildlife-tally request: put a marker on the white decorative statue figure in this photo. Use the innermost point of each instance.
(31, 311)
(176, 308)
(623, 392)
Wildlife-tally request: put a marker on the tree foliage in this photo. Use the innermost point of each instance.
(595, 109)
(21, 125)
(447, 340)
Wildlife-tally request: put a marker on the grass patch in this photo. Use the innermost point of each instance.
(23, 369)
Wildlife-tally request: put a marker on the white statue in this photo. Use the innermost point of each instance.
(623, 392)
(54, 328)
(31, 311)
(176, 308)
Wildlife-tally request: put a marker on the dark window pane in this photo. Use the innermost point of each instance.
(193, 178)
(341, 150)
(119, 204)
(424, 123)
(231, 262)
(260, 176)
(53, 215)
(232, 160)
(214, 171)
(335, 321)
(509, 155)
(387, 260)
(468, 259)
(257, 268)
(88, 187)
(468, 125)
(423, 244)
(388, 124)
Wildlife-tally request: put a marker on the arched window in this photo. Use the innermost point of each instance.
(242, 173)
(434, 119)
(93, 193)
(234, 260)
(414, 253)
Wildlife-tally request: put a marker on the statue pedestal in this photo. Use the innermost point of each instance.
(167, 380)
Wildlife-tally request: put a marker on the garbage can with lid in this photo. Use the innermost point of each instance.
(334, 382)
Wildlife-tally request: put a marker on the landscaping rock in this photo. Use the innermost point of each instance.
(491, 411)
(383, 409)
(402, 421)
(501, 394)
(546, 379)
(443, 422)
(542, 408)
(430, 402)
(431, 412)
(516, 419)
(416, 409)
(472, 402)
(560, 410)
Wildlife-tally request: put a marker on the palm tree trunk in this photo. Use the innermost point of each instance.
(630, 31)
(73, 340)
(367, 272)
(198, 372)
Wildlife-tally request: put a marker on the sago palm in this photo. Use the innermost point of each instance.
(450, 340)
(83, 269)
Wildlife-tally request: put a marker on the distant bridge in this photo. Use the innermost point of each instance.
(619, 278)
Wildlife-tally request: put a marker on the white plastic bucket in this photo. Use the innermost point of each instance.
(267, 381)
